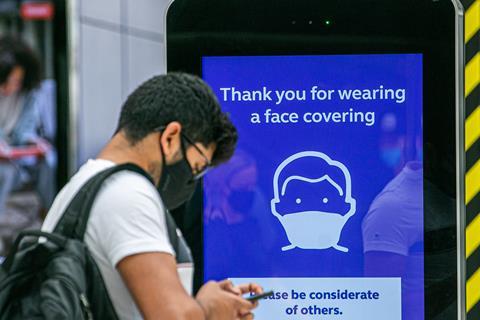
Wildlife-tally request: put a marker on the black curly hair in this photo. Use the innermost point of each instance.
(184, 98)
(14, 52)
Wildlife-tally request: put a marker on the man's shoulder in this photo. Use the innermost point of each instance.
(130, 194)
(125, 180)
(126, 185)
(124, 188)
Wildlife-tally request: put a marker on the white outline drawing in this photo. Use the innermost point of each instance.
(313, 229)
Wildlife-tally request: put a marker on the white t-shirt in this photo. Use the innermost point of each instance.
(127, 218)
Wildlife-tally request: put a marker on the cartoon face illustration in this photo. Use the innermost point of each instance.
(312, 200)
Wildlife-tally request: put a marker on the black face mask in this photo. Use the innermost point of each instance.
(176, 185)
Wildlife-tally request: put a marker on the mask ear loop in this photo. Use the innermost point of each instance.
(184, 155)
(164, 166)
(160, 131)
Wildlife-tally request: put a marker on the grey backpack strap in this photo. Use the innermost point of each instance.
(177, 241)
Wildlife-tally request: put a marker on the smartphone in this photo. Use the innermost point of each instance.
(259, 296)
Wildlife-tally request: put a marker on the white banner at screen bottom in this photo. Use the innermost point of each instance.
(329, 298)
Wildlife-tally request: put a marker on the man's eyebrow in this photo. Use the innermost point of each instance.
(325, 177)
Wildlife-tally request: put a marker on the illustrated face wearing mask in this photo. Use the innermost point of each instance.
(178, 180)
(313, 210)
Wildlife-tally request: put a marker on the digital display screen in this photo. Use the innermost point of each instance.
(322, 201)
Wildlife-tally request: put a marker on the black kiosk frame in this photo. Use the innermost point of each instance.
(434, 28)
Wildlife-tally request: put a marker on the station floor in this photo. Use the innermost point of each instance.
(22, 212)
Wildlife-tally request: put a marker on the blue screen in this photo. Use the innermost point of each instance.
(323, 198)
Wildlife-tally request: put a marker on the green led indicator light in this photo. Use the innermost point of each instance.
(327, 22)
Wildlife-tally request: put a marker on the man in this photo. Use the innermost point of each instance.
(172, 127)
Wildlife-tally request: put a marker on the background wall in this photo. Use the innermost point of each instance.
(120, 45)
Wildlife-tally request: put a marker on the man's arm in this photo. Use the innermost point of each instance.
(154, 284)
(153, 281)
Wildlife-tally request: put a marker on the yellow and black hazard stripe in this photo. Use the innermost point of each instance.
(472, 147)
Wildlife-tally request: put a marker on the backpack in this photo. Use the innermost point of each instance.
(53, 276)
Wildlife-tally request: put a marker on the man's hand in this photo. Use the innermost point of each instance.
(241, 289)
(223, 301)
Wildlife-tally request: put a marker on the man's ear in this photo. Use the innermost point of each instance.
(171, 141)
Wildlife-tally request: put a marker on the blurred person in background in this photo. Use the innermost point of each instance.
(25, 157)
(235, 203)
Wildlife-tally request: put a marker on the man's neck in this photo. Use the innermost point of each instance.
(119, 150)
